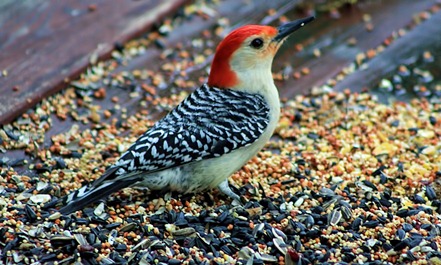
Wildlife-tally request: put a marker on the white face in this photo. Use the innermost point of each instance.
(255, 51)
(252, 62)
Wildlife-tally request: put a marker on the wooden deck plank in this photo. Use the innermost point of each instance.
(43, 43)
(315, 34)
(331, 38)
(237, 12)
(427, 35)
(36, 78)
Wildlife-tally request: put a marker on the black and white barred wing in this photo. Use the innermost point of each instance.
(208, 123)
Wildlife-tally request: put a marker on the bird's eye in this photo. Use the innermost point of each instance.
(257, 43)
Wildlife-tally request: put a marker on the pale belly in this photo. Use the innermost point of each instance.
(205, 174)
(208, 174)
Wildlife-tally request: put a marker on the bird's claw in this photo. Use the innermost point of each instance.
(225, 188)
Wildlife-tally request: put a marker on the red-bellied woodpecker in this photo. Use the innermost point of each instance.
(213, 132)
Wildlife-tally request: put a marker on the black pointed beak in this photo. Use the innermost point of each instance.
(286, 29)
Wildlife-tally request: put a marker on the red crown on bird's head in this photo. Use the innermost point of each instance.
(221, 75)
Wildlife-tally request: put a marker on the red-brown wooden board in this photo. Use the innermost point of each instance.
(44, 42)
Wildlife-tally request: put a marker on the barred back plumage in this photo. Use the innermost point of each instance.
(209, 123)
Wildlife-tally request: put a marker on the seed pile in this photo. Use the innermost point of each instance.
(344, 179)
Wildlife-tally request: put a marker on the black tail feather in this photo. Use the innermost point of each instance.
(88, 194)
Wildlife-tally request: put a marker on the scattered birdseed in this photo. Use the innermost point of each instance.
(345, 179)
(416, 79)
(352, 41)
(341, 181)
(369, 27)
(92, 7)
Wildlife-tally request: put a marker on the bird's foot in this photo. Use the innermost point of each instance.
(225, 188)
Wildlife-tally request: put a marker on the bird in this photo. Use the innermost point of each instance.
(213, 132)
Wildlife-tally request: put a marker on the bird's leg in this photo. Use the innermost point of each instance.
(225, 188)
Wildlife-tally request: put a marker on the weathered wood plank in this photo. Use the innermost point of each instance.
(237, 12)
(44, 42)
(315, 35)
(331, 38)
(424, 36)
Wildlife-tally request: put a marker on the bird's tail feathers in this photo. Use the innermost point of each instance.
(88, 194)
